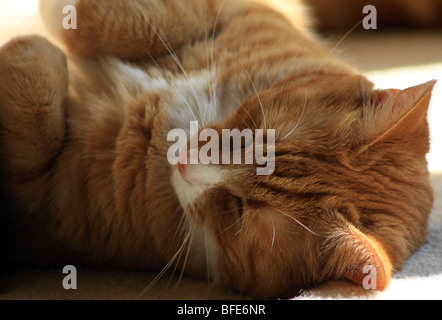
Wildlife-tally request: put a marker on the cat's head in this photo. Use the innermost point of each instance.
(348, 196)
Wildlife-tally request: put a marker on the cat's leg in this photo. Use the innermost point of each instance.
(134, 29)
(33, 90)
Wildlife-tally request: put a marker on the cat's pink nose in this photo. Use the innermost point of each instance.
(182, 169)
(182, 162)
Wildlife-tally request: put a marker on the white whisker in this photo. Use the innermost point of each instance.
(330, 52)
(236, 221)
(297, 221)
(274, 232)
(224, 212)
(325, 60)
(257, 95)
(268, 75)
(165, 268)
(299, 120)
(213, 62)
(178, 62)
(251, 220)
(180, 225)
(171, 84)
(240, 103)
(207, 256)
(192, 233)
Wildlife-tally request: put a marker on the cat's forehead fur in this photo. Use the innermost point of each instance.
(297, 109)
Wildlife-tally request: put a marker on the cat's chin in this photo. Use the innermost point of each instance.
(203, 254)
(183, 188)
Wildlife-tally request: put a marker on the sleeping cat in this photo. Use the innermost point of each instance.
(84, 151)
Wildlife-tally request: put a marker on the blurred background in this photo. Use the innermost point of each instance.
(408, 14)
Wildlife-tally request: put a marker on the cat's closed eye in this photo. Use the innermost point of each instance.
(239, 205)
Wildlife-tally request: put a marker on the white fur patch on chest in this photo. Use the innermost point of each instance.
(189, 97)
(205, 253)
(194, 98)
(186, 98)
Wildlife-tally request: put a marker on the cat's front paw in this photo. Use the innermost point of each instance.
(28, 47)
(30, 67)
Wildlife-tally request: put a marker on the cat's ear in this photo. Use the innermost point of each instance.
(357, 257)
(393, 112)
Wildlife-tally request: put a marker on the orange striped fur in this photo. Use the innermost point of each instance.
(86, 165)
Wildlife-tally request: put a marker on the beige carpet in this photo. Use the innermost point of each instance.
(391, 59)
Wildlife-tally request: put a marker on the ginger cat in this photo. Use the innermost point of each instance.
(84, 151)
